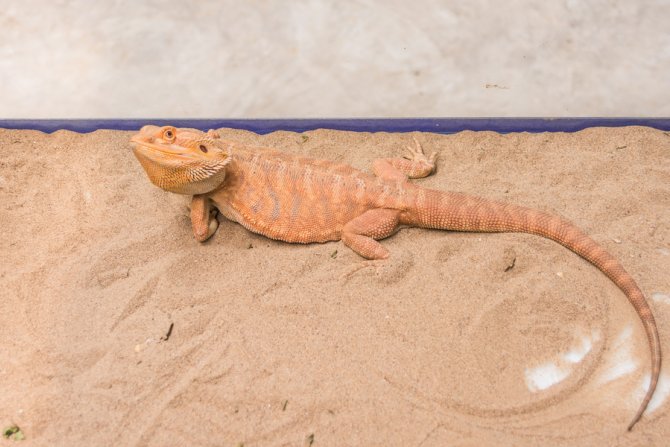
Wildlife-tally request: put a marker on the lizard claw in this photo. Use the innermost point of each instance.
(416, 154)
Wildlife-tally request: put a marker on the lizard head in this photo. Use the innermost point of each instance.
(183, 161)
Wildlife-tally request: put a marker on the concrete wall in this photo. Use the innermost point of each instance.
(328, 58)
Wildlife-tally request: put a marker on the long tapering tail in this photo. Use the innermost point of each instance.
(463, 212)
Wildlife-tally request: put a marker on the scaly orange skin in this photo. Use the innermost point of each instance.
(303, 200)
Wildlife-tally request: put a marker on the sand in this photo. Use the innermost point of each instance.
(119, 329)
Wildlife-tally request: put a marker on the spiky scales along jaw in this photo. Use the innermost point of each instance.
(183, 161)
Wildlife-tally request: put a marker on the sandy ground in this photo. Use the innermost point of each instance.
(119, 329)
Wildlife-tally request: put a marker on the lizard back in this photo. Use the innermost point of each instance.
(300, 199)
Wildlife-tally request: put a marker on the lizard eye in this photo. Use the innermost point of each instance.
(203, 148)
(168, 134)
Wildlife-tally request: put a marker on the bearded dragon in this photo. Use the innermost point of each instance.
(303, 200)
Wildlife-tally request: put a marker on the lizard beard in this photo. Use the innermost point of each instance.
(184, 177)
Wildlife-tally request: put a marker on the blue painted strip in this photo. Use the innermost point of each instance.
(263, 126)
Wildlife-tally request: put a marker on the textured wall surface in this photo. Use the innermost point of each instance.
(327, 58)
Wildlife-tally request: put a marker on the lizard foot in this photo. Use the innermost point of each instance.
(417, 155)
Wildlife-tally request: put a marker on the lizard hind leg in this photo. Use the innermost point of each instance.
(360, 233)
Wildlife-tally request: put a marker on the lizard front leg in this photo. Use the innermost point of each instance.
(360, 233)
(414, 165)
(203, 217)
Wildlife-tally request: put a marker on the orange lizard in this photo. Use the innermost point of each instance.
(302, 200)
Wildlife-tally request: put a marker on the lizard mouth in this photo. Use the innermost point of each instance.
(176, 151)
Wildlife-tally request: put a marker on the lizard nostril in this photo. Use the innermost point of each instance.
(203, 148)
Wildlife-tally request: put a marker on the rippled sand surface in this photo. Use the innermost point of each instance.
(119, 329)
